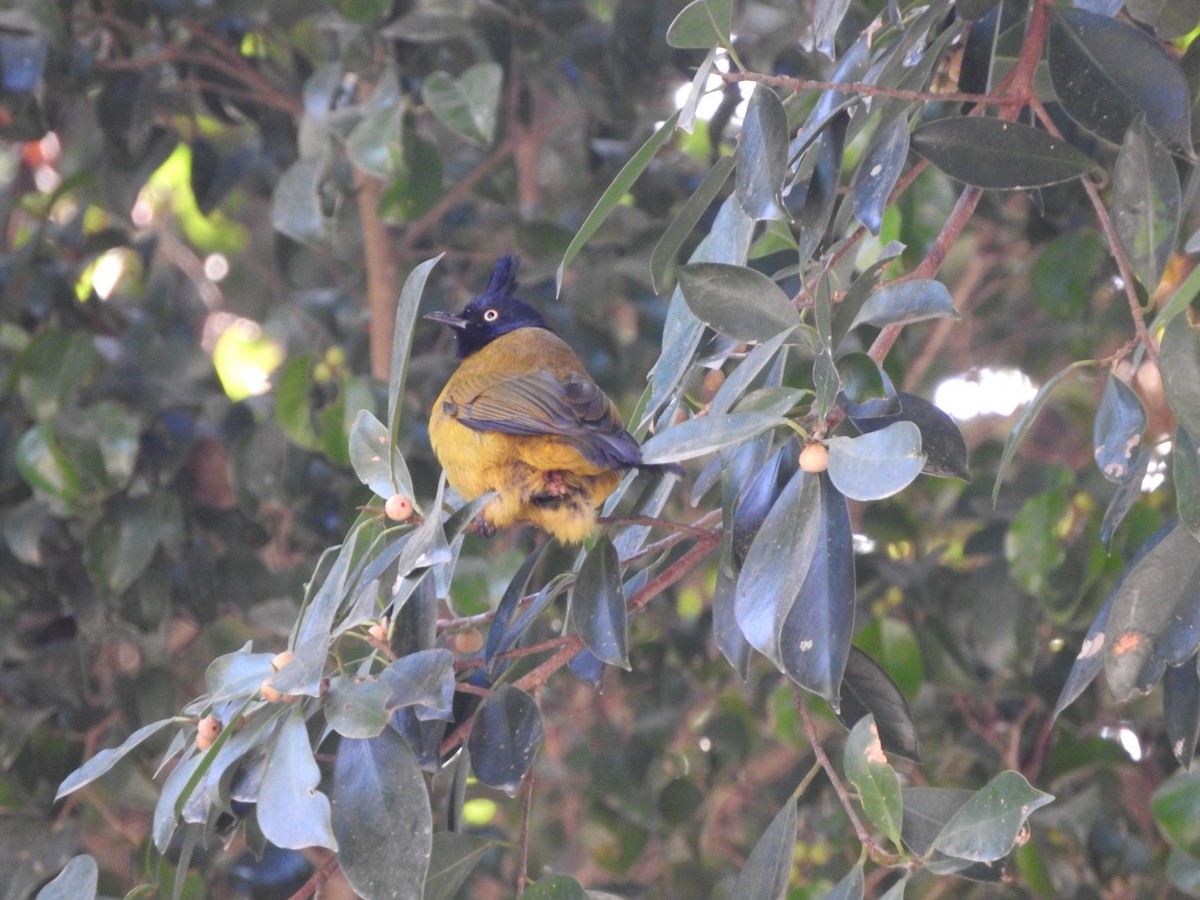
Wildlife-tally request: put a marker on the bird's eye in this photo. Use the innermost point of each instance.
(490, 315)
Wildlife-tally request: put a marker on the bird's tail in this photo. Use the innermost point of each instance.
(504, 277)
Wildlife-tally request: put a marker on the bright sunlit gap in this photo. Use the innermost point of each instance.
(242, 354)
(711, 98)
(107, 272)
(984, 392)
(1156, 471)
(1127, 738)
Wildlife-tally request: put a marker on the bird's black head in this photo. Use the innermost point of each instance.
(493, 313)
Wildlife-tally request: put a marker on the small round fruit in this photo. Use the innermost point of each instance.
(378, 632)
(281, 659)
(269, 693)
(207, 730)
(467, 642)
(814, 458)
(398, 508)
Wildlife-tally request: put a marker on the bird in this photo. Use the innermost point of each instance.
(522, 417)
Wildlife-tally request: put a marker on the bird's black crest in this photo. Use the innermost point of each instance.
(503, 282)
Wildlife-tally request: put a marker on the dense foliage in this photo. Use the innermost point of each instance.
(252, 646)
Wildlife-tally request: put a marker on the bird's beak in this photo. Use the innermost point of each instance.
(449, 319)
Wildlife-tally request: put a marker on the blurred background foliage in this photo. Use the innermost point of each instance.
(209, 207)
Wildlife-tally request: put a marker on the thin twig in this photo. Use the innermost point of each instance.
(857, 87)
(523, 839)
(318, 878)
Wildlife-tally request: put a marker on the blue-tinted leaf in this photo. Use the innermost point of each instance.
(1106, 72)
(762, 155)
(997, 154)
(77, 881)
(986, 827)
(758, 495)
(877, 464)
(905, 302)
(1185, 474)
(424, 679)
(858, 294)
(777, 564)
(827, 18)
(585, 666)
(402, 335)
(879, 171)
(726, 633)
(852, 67)
(1181, 710)
(813, 208)
(941, 440)
(814, 637)
(619, 186)
(235, 675)
(851, 886)
(369, 456)
(296, 209)
(706, 434)
(454, 856)
(1155, 618)
(598, 605)
(1117, 432)
(878, 785)
(355, 708)
(663, 257)
(505, 738)
(292, 813)
(767, 871)
(106, 759)
(381, 817)
(1125, 496)
(701, 24)
(868, 690)
(1179, 362)
(1146, 203)
(739, 302)
(500, 637)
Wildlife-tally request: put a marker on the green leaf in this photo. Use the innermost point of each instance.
(423, 678)
(292, 813)
(769, 867)
(701, 24)
(1026, 422)
(1179, 362)
(381, 817)
(505, 738)
(1185, 475)
(368, 455)
(1146, 203)
(402, 337)
(51, 370)
(877, 783)
(992, 153)
(1117, 432)
(988, 825)
(296, 206)
(121, 545)
(706, 434)
(598, 605)
(355, 708)
(762, 155)
(1032, 544)
(466, 104)
(453, 857)
(1107, 72)
(374, 144)
(360, 10)
(868, 690)
(47, 468)
(879, 171)
(941, 440)
(906, 302)
(77, 881)
(736, 301)
(106, 759)
(877, 464)
(662, 259)
(1176, 807)
(616, 189)
(851, 887)
(1181, 711)
(555, 887)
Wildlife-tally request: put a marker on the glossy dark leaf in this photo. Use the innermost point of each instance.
(665, 251)
(992, 153)
(757, 497)
(726, 633)
(500, 637)
(1155, 618)
(598, 605)
(505, 738)
(736, 301)
(987, 826)
(879, 171)
(762, 155)
(821, 190)
(878, 785)
(868, 690)
(765, 874)
(381, 817)
(858, 294)
(707, 434)
(1181, 710)
(814, 636)
(453, 857)
(926, 811)
(1146, 203)
(941, 439)
(866, 389)
(1179, 362)
(877, 464)
(587, 668)
(906, 302)
(77, 881)
(827, 18)
(1125, 496)
(701, 24)
(1185, 474)
(1107, 72)
(424, 679)
(1117, 431)
(292, 813)
(852, 67)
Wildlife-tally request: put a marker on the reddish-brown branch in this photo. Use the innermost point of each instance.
(318, 878)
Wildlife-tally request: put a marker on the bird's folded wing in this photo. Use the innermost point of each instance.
(541, 404)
